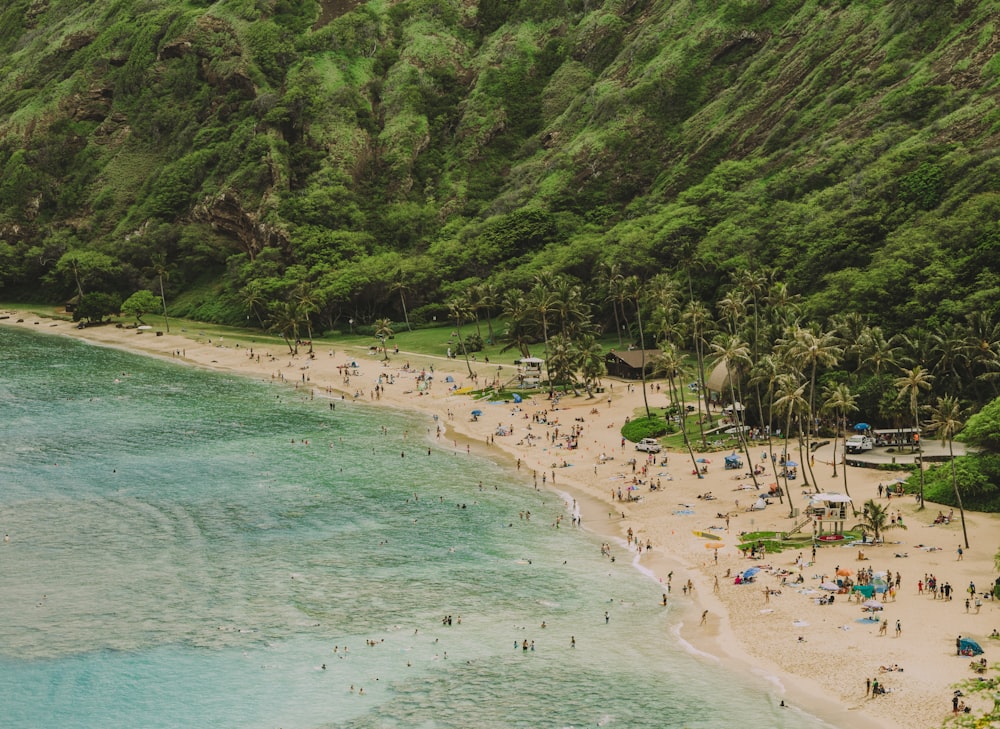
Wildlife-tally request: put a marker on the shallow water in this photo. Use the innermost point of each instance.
(180, 557)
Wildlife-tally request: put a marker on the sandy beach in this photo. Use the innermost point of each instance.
(818, 656)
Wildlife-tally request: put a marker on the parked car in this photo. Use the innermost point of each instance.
(859, 444)
(649, 445)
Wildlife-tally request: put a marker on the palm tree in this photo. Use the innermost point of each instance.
(565, 360)
(840, 401)
(697, 318)
(489, 295)
(253, 300)
(383, 332)
(768, 370)
(734, 353)
(671, 364)
(634, 292)
(285, 321)
(876, 352)
(616, 295)
(810, 350)
(592, 365)
(306, 304)
(458, 307)
(909, 385)
(982, 347)
(398, 284)
(875, 520)
(160, 268)
(541, 300)
(515, 310)
(790, 401)
(945, 422)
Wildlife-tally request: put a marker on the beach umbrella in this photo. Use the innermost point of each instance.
(830, 586)
(714, 545)
(747, 574)
(703, 460)
(862, 426)
(477, 413)
(791, 464)
(872, 605)
(845, 572)
(516, 397)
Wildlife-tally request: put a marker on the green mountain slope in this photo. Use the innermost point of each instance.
(353, 149)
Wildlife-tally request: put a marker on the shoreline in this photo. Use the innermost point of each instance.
(824, 674)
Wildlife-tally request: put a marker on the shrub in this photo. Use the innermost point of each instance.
(639, 428)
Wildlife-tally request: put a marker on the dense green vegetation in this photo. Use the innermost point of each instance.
(790, 187)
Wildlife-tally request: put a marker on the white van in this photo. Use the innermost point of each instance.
(859, 444)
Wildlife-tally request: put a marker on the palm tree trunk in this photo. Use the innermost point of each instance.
(958, 495)
(788, 427)
(163, 300)
(406, 317)
(920, 457)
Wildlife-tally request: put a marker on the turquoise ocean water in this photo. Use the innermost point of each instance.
(176, 560)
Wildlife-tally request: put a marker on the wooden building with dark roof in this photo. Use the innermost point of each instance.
(628, 364)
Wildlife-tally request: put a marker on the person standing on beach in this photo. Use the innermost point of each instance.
(899, 628)
(607, 617)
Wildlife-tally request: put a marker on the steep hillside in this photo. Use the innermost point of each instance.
(248, 150)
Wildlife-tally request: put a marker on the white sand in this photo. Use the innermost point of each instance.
(825, 672)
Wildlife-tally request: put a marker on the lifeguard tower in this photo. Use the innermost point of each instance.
(829, 512)
(529, 371)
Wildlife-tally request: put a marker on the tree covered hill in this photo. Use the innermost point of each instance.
(251, 151)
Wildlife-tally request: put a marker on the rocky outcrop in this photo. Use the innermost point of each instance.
(226, 214)
(221, 62)
(75, 41)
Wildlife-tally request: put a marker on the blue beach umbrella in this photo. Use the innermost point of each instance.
(791, 464)
(750, 572)
(862, 426)
(516, 397)
(477, 413)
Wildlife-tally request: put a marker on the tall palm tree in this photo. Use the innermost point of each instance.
(616, 295)
(810, 350)
(398, 284)
(734, 354)
(592, 364)
(634, 292)
(160, 269)
(515, 310)
(383, 332)
(541, 300)
(253, 299)
(671, 363)
(791, 402)
(565, 360)
(458, 308)
(306, 304)
(698, 321)
(909, 386)
(767, 371)
(489, 296)
(877, 352)
(284, 319)
(875, 520)
(945, 422)
(982, 347)
(841, 401)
